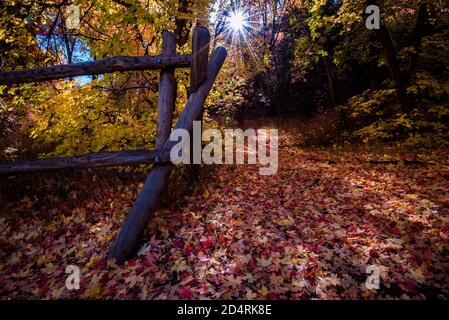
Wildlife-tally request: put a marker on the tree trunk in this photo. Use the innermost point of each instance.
(418, 34)
(375, 78)
(330, 81)
(183, 24)
(401, 79)
(394, 67)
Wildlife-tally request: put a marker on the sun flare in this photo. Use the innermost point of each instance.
(237, 21)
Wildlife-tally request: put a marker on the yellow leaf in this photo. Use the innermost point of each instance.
(263, 291)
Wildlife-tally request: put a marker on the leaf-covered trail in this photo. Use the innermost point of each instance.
(308, 232)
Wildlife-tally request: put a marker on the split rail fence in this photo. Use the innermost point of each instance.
(203, 74)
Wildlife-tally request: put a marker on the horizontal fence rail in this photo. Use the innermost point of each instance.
(92, 160)
(106, 65)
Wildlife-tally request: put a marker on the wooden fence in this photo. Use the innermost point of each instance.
(203, 74)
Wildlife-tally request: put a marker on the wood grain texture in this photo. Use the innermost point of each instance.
(200, 58)
(93, 160)
(167, 93)
(107, 65)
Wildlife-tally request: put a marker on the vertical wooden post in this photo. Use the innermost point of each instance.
(200, 57)
(156, 183)
(167, 92)
(149, 197)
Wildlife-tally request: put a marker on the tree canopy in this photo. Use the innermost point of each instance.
(291, 56)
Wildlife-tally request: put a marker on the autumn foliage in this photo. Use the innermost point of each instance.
(363, 175)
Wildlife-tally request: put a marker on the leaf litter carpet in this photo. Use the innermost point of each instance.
(309, 232)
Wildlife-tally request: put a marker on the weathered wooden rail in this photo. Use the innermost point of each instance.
(92, 160)
(106, 65)
(203, 75)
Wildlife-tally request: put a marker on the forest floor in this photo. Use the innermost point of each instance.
(308, 232)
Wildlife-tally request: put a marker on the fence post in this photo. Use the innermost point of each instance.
(200, 57)
(149, 196)
(167, 92)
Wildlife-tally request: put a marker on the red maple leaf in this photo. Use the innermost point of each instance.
(205, 245)
(407, 286)
(271, 296)
(396, 230)
(185, 294)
